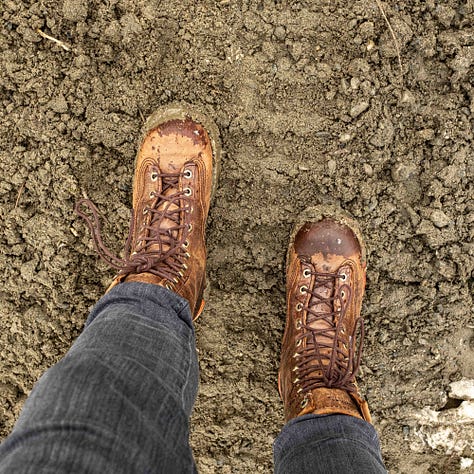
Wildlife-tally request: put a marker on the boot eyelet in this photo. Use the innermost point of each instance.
(304, 402)
(298, 324)
(185, 244)
(152, 194)
(295, 369)
(187, 192)
(298, 342)
(295, 355)
(306, 273)
(296, 380)
(343, 277)
(145, 210)
(343, 294)
(190, 227)
(303, 289)
(188, 174)
(154, 176)
(169, 286)
(187, 255)
(299, 307)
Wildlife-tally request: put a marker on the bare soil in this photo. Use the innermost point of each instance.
(310, 101)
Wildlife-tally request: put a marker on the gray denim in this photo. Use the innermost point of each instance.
(120, 401)
(332, 444)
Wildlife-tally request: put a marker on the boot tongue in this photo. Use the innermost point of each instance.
(168, 159)
(174, 164)
(322, 305)
(169, 220)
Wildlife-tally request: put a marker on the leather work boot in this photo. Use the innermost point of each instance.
(175, 177)
(325, 285)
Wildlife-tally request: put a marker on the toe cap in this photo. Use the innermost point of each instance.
(326, 237)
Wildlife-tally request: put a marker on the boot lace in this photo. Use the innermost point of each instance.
(159, 249)
(329, 359)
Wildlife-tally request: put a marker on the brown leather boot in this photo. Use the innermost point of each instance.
(175, 177)
(325, 285)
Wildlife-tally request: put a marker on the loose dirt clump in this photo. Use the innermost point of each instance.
(311, 103)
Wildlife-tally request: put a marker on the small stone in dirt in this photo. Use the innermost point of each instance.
(408, 98)
(370, 45)
(372, 205)
(402, 172)
(280, 33)
(451, 175)
(439, 218)
(359, 108)
(332, 166)
(75, 10)
(368, 170)
(345, 137)
(58, 104)
(426, 134)
(355, 82)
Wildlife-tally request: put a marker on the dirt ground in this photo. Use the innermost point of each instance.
(310, 101)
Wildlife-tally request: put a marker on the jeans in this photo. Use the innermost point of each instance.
(120, 401)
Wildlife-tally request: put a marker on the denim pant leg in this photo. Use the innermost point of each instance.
(328, 444)
(120, 399)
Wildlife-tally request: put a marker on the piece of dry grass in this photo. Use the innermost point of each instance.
(394, 37)
(20, 192)
(54, 40)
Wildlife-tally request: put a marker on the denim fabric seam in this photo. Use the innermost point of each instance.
(183, 307)
(183, 302)
(190, 355)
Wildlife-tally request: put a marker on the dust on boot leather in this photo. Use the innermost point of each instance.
(175, 175)
(325, 285)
